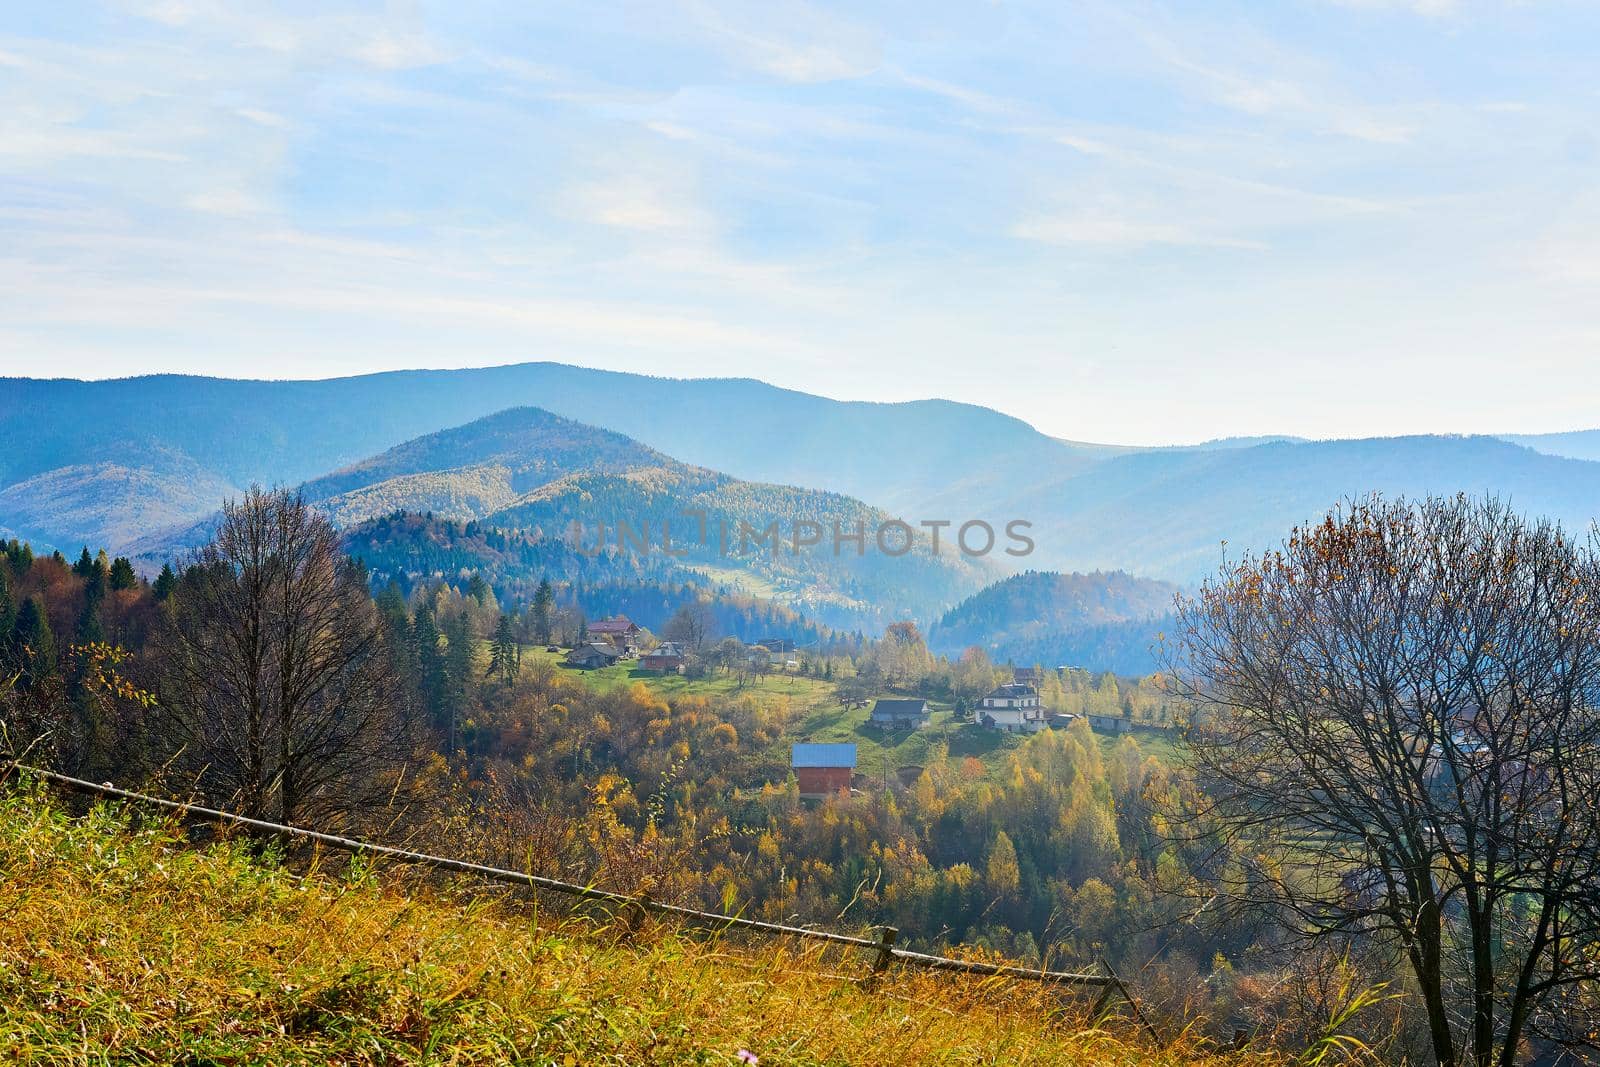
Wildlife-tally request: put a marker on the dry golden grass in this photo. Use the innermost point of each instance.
(121, 944)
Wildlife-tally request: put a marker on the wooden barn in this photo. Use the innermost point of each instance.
(823, 769)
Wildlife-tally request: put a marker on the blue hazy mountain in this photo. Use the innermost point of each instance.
(895, 455)
(119, 461)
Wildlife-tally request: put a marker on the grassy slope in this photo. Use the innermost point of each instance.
(121, 945)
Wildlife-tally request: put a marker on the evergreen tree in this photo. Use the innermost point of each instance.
(165, 582)
(33, 645)
(122, 576)
(544, 599)
(20, 556)
(458, 672)
(505, 655)
(478, 589)
(431, 668)
(84, 565)
(8, 614)
(392, 605)
(96, 577)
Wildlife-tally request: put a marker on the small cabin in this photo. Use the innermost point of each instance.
(666, 657)
(822, 769)
(1110, 724)
(899, 714)
(592, 657)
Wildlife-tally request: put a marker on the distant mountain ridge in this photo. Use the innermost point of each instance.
(292, 431)
(1174, 514)
(118, 462)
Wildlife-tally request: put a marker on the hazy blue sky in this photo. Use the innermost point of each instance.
(1124, 221)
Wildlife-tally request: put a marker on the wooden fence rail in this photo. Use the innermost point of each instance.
(883, 945)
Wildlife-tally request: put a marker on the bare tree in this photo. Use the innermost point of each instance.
(275, 666)
(1397, 720)
(690, 626)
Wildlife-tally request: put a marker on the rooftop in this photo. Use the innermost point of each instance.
(823, 755)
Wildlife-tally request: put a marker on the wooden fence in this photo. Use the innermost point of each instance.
(883, 947)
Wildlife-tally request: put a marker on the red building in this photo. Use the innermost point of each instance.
(822, 769)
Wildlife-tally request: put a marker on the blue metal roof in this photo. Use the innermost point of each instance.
(820, 755)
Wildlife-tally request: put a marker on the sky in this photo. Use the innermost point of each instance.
(1126, 222)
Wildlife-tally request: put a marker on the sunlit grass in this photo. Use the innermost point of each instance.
(120, 943)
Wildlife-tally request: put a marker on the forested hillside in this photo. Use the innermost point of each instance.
(470, 471)
(414, 552)
(1104, 620)
(563, 489)
(557, 489)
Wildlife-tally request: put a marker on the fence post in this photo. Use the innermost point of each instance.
(634, 913)
(886, 939)
(1133, 1005)
(1097, 1014)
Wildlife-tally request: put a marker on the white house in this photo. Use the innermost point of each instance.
(1014, 708)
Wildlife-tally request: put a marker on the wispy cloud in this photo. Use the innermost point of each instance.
(789, 39)
(704, 186)
(1428, 8)
(1085, 229)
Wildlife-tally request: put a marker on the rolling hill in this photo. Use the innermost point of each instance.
(1107, 619)
(1172, 513)
(472, 471)
(1574, 444)
(529, 470)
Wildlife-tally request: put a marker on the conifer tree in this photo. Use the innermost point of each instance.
(122, 576)
(94, 592)
(431, 667)
(544, 599)
(8, 613)
(33, 644)
(165, 581)
(458, 672)
(505, 655)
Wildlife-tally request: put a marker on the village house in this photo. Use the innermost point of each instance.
(1110, 724)
(1033, 676)
(620, 631)
(896, 713)
(666, 657)
(1014, 708)
(592, 656)
(822, 769)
